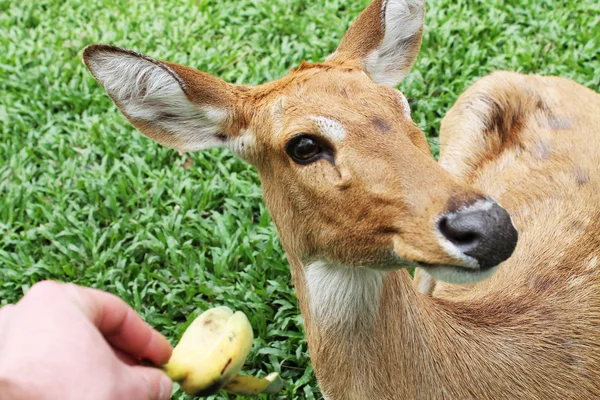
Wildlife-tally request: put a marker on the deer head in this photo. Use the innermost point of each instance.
(347, 175)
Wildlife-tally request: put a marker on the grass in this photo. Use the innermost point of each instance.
(86, 199)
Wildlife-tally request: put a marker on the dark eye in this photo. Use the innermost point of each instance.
(304, 149)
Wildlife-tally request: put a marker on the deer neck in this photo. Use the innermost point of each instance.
(357, 322)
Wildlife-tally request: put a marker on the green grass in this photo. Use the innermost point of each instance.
(86, 199)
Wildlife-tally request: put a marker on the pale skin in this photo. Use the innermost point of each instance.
(63, 341)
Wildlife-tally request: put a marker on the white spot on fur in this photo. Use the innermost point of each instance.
(593, 262)
(340, 295)
(446, 163)
(243, 146)
(576, 281)
(426, 283)
(405, 105)
(388, 64)
(147, 92)
(330, 128)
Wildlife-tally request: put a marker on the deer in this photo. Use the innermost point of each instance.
(503, 230)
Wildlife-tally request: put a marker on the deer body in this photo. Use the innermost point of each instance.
(531, 330)
(357, 198)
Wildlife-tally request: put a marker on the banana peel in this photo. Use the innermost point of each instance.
(212, 352)
(251, 386)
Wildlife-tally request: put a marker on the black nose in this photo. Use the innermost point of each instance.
(483, 231)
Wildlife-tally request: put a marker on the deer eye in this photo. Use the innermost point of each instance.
(304, 149)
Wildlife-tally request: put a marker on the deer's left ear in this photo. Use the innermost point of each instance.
(385, 40)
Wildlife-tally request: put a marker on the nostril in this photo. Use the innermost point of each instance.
(457, 233)
(483, 232)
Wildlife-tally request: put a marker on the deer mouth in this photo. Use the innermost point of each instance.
(457, 274)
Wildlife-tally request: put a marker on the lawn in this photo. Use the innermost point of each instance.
(84, 198)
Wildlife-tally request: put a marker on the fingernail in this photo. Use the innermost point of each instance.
(166, 387)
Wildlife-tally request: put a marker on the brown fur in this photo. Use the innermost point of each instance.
(529, 332)
(543, 304)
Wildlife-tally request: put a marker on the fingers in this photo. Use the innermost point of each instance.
(87, 319)
(125, 358)
(147, 383)
(122, 327)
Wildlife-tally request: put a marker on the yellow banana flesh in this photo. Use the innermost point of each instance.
(251, 386)
(211, 352)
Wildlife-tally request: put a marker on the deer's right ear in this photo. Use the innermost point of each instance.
(385, 40)
(174, 105)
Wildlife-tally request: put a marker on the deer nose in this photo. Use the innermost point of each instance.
(483, 231)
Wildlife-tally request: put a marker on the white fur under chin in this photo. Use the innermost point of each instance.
(403, 18)
(340, 295)
(457, 275)
(147, 92)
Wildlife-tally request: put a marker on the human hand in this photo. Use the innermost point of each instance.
(66, 342)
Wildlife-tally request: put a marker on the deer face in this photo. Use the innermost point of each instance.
(347, 176)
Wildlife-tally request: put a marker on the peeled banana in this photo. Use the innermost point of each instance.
(211, 353)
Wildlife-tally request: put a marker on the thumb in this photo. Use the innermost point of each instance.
(148, 383)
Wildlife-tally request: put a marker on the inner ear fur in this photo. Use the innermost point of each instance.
(175, 105)
(384, 40)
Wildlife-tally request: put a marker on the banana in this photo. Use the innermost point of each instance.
(251, 386)
(211, 352)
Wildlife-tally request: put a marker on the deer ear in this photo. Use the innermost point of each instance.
(174, 105)
(385, 40)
